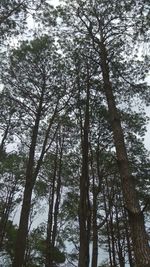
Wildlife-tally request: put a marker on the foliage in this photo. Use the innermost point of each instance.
(45, 87)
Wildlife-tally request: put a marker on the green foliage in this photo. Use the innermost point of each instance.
(37, 246)
(12, 173)
(13, 15)
(56, 69)
(58, 256)
(10, 238)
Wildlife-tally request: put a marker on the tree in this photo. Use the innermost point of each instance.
(10, 237)
(67, 101)
(6, 122)
(54, 198)
(13, 15)
(39, 97)
(11, 182)
(105, 25)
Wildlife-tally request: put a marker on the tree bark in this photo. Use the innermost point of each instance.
(5, 213)
(121, 256)
(84, 207)
(23, 226)
(54, 206)
(96, 190)
(58, 192)
(128, 238)
(95, 227)
(107, 209)
(29, 184)
(136, 216)
(49, 260)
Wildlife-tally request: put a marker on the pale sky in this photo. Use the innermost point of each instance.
(53, 2)
(147, 144)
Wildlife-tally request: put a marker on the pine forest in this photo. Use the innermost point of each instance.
(74, 113)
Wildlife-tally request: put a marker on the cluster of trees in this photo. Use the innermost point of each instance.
(72, 102)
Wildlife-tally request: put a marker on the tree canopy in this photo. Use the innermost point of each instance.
(74, 170)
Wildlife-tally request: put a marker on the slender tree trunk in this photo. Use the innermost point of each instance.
(96, 190)
(49, 259)
(109, 193)
(54, 207)
(119, 237)
(95, 238)
(58, 192)
(26, 205)
(136, 216)
(128, 238)
(84, 207)
(5, 214)
(4, 138)
(111, 227)
(95, 228)
(23, 226)
(108, 230)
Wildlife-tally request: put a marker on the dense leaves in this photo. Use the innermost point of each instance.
(59, 170)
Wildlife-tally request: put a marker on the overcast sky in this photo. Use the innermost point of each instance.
(53, 2)
(147, 144)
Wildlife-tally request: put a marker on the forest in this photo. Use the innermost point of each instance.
(74, 168)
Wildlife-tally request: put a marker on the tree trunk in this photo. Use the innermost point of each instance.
(84, 207)
(128, 238)
(95, 228)
(23, 226)
(26, 205)
(4, 137)
(5, 214)
(49, 260)
(58, 192)
(54, 206)
(121, 256)
(136, 217)
(95, 190)
(111, 229)
(108, 230)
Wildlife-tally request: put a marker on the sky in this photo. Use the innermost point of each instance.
(53, 2)
(146, 141)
